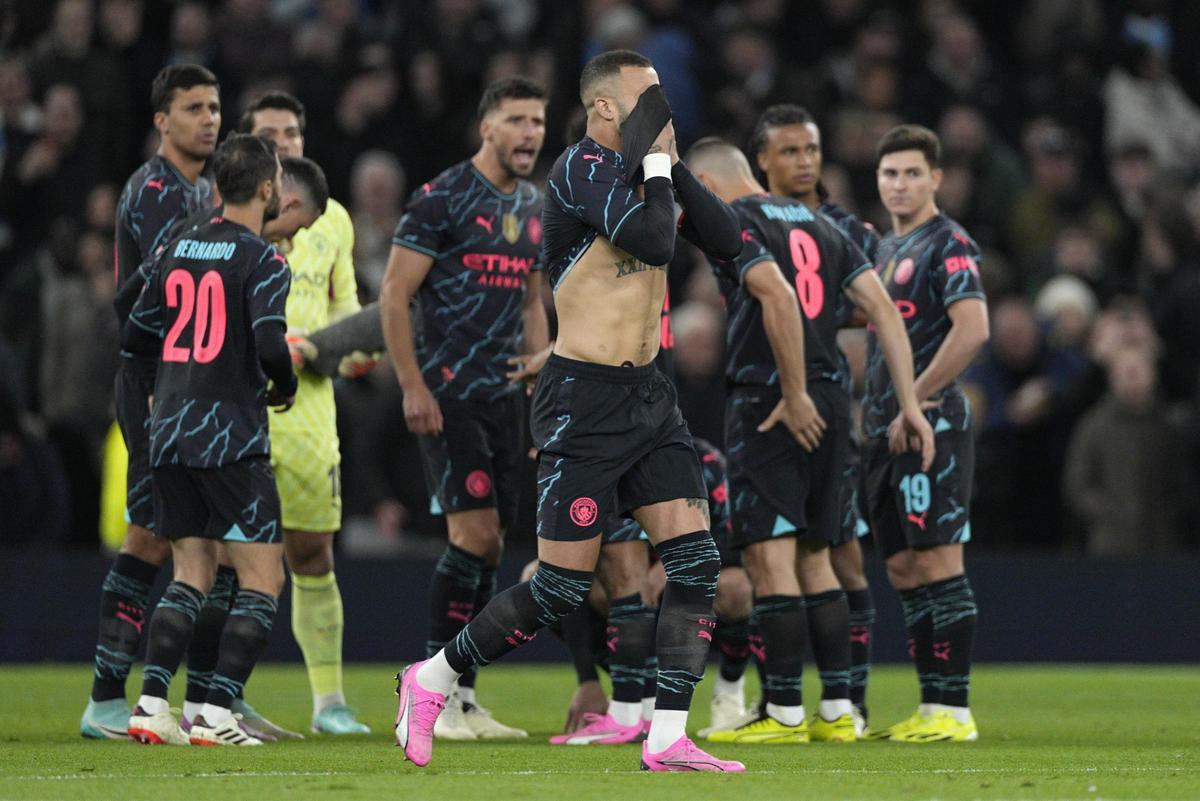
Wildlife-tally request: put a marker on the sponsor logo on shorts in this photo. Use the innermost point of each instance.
(479, 484)
(583, 512)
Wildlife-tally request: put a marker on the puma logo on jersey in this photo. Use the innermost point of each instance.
(485, 223)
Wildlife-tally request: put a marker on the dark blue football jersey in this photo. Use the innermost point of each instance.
(484, 244)
(154, 199)
(816, 260)
(925, 272)
(207, 292)
(587, 196)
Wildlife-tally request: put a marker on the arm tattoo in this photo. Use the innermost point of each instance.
(702, 505)
(655, 148)
(631, 265)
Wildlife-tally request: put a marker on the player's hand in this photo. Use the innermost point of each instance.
(665, 143)
(421, 411)
(300, 348)
(277, 400)
(802, 419)
(656, 582)
(358, 363)
(910, 431)
(589, 698)
(528, 365)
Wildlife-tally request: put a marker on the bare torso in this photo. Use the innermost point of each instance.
(610, 308)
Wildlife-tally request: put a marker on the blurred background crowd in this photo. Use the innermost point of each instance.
(1072, 138)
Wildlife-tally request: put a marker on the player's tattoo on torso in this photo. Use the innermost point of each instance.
(631, 266)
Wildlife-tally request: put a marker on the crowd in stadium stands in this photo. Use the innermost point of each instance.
(1072, 138)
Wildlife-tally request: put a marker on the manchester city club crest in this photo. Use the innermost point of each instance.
(512, 228)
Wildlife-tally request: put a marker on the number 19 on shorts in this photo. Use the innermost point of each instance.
(916, 493)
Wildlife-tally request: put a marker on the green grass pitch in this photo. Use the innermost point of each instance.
(1047, 732)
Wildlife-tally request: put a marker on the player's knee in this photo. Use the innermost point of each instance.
(623, 569)
(308, 554)
(734, 594)
(480, 538)
(847, 565)
(265, 577)
(901, 572)
(141, 543)
(558, 591)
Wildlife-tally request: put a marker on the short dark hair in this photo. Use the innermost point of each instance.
(606, 65)
(777, 117)
(178, 77)
(241, 164)
(705, 144)
(276, 100)
(911, 137)
(515, 88)
(308, 174)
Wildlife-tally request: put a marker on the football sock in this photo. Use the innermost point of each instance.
(724, 686)
(483, 596)
(666, 727)
(918, 619)
(733, 643)
(452, 595)
(650, 686)
(242, 642)
(123, 598)
(206, 637)
(782, 627)
(170, 631)
(580, 632)
(791, 715)
(630, 634)
(317, 624)
(829, 631)
(685, 622)
(954, 617)
(509, 621)
(862, 621)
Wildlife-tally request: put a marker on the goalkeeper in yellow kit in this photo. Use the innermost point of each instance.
(304, 442)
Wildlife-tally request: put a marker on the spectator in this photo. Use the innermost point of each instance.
(33, 493)
(699, 369)
(1015, 390)
(80, 344)
(1058, 193)
(376, 192)
(1128, 476)
(68, 55)
(995, 170)
(52, 175)
(1145, 104)
(958, 69)
(191, 36)
(1170, 268)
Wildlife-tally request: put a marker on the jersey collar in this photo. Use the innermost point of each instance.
(492, 187)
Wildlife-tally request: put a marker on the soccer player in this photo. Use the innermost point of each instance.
(213, 311)
(467, 248)
(610, 436)
(921, 514)
(786, 144)
(160, 193)
(589, 707)
(305, 451)
(784, 479)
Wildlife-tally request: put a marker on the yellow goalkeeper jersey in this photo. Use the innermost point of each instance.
(323, 292)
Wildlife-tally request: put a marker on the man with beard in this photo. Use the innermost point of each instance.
(467, 249)
(213, 312)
